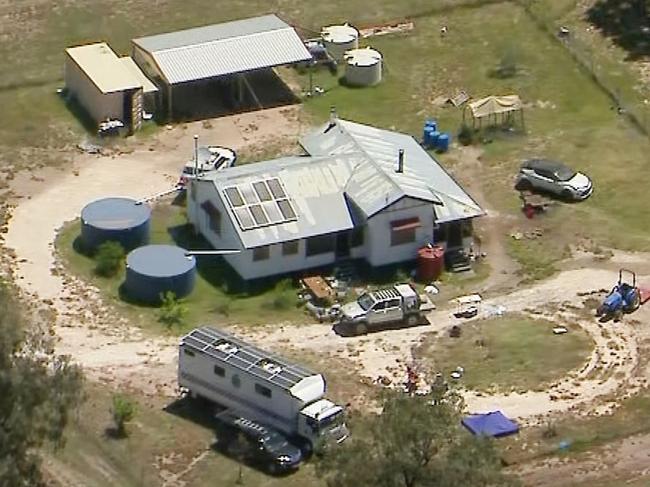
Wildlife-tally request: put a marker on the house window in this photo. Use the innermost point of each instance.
(236, 381)
(322, 244)
(188, 352)
(263, 391)
(290, 248)
(220, 371)
(214, 216)
(403, 231)
(356, 237)
(261, 253)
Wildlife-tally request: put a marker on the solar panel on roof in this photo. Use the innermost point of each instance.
(276, 188)
(244, 218)
(258, 215)
(273, 212)
(262, 191)
(234, 197)
(286, 209)
(250, 197)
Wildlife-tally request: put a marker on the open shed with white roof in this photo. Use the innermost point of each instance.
(227, 66)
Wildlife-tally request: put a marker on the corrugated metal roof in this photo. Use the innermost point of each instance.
(221, 49)
(377, 184)
(314, 186)
(103, 67)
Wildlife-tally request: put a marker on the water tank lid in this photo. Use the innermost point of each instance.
(363, 57)
(431, 252)
(160, 261)
(339, 34)
(115, 213)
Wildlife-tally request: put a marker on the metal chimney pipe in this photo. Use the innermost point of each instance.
(400, 161)
(196, 156)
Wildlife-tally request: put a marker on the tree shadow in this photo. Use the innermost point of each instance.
(626, 22)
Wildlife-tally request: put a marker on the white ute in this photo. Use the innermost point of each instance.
(257, 385)
(400, 303)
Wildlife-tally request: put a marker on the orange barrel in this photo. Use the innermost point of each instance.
(430, 263)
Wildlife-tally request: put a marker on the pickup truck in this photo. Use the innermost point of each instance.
(398, 304)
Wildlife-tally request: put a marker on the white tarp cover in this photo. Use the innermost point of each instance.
(495, 104)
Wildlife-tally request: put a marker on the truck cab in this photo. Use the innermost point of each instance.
(400, 303)
(322, 422)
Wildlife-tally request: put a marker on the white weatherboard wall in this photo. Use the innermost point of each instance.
(99, 106)
(378, 247)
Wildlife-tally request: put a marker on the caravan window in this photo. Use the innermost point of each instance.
(189, 352)
(263, 391)
(220, 371)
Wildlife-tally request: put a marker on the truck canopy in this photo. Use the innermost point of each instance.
(309, 389)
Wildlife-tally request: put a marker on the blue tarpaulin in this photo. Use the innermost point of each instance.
(493, 424)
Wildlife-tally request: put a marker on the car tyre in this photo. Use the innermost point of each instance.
(636, 302)
(361, 329)
(411, 320)
(567, 195)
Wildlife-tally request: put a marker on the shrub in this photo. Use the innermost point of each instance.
(123, 411)
(172, 311)
(109, 258)
(466, 135)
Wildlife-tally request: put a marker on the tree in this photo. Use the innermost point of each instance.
(413, 443)
(123, 411)
(38, 390)
(109, 258)
(172, 311)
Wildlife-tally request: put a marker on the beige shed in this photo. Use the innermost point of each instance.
(107, 87)
(492, 107)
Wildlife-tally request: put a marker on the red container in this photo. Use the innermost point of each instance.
(431, 260)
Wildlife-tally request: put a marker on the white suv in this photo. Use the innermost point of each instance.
(554, 177)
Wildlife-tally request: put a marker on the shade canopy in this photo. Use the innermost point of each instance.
(493, 105)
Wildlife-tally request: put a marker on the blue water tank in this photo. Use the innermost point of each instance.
(153, 270)
(442, 144)
(118, 219)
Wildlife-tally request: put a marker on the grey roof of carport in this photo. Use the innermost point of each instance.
(223, 49)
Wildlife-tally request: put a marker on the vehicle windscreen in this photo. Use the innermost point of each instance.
(274, 441)
(564, 173)
(331, 421)
(366, 302)
(188, 170)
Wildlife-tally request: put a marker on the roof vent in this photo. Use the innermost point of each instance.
(400, 161)
(225, 347)
(270, 366)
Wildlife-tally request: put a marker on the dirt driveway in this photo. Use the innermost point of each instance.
(113, 351)
(107, 346)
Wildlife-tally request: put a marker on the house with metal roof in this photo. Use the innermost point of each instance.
(360, 193)
(225, 56)
(106, 86)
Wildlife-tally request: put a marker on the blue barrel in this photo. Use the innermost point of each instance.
(427, 136)
(443, 142)
(431, 123)
(433, 139)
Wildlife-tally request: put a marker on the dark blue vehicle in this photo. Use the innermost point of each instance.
(624, 298)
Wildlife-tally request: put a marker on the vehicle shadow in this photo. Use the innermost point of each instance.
(226, 441)
(347, 331)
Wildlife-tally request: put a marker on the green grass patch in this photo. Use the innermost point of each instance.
(538, 258)
(164, 437)
(508, 352)
(219, 295)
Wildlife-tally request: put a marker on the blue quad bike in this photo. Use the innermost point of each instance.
(625, 297)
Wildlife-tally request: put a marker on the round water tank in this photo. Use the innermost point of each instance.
(153, 270)
(119, 219)
(430, 263)
(363, 67)
(339, 38)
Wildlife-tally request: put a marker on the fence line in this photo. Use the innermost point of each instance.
(633, 109)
